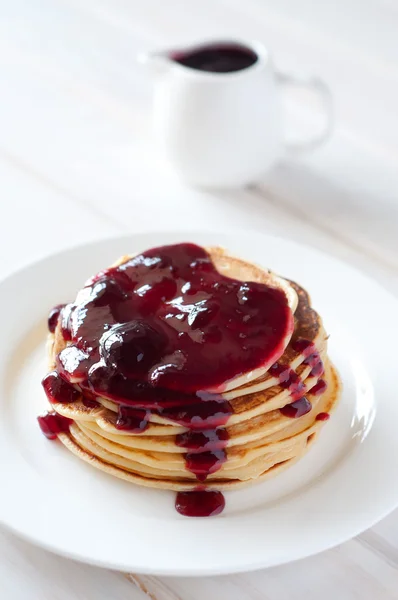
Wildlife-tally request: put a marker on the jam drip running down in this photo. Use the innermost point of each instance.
(160, 335)
(288, 379)
(52, 424)
(319, 388)
(220, 58)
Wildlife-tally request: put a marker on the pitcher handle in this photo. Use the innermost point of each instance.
(319, 88)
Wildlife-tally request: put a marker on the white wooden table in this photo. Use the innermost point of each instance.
(76, 164)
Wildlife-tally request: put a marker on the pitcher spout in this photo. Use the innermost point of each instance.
(157, 62)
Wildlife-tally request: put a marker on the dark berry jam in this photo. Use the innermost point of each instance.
(200, 441)
(132, 419)
(317, 370)
(319, 388)
(297, 409)
(59, 390)
(303, 346)
(288, 379)
(323, 416)
(52, 424)
(53, 317)
(146, 323)
(217, 58)
(90, 401)
(203, 464)
(200, 503)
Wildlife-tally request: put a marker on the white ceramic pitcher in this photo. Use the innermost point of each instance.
(224, 129)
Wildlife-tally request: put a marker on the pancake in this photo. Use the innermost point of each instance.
(268, 433)
(162, 437)
(269, 415)
(269, 459)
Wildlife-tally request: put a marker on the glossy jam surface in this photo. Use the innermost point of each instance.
(59, 390)
(217, 58)
(52, 424)
(168, 320)
(200, 503)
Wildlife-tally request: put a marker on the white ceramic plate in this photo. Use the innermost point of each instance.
(345, 484)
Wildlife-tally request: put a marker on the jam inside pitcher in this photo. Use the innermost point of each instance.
(216, 58)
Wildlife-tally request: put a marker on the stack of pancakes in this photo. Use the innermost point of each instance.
(261, 440)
